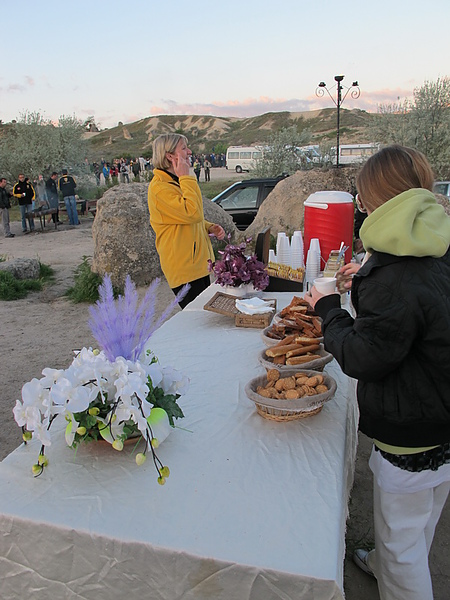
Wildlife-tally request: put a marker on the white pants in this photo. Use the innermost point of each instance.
(404, 531)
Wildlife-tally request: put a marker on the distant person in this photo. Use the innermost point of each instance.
(41, 194)
(53, 197)
(207, 168)
(5, 205)
(397, 347)
(24, 192)
(106, 172)
(176, 216)
(67, 186)
(197, 168)
(135, 168)
(125, 172)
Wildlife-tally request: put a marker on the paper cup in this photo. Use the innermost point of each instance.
(325, 285)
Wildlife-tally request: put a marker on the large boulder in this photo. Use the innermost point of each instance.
(283, 209)
(22, 268)
(124, 242)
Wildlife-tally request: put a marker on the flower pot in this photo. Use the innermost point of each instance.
(241, 291)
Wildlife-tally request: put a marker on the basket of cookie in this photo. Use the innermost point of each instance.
(292, 395)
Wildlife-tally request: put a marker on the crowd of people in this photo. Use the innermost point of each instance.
(120, 169)
(39, 196)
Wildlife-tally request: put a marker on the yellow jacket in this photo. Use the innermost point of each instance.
(176, 216)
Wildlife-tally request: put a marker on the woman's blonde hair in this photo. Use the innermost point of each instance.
(167, 142)
(391, 171)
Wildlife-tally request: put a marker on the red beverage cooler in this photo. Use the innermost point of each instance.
(329, 216)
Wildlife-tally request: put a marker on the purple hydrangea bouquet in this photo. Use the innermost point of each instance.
(112, 394)
(235, 268)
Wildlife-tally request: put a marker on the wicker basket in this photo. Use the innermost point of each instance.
(317, 365)
(271, 341)
(289, 410)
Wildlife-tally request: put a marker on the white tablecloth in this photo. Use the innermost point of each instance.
(253, 509)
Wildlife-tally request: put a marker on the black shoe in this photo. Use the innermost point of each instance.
(25, 231)
(10, 235)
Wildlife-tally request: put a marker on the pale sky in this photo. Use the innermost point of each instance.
(127, 60)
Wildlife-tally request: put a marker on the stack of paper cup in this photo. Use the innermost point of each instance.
(283, 249)
(272, 256)
(297, 250)
(313, 261)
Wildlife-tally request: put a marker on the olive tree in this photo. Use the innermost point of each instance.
(423, 123)
(34, 145)
(280, 154)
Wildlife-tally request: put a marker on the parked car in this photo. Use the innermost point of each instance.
(442, 187)
(243, 199)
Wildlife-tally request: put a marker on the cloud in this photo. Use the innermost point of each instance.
(19, 87)
(251, 107)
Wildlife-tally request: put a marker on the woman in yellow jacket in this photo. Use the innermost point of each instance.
(176, 216)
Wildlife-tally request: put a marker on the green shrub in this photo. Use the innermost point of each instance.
(86, 284)
(14, 289)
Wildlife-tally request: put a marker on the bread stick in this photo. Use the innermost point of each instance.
(301, 350)
(279, 350)
(298, 360)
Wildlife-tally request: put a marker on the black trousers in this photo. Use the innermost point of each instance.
(197, 287)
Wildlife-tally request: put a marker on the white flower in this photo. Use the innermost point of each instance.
(42, 433)
(131, 384)
(68, 397)
(26, 415)
(174, 382)
(154, 371)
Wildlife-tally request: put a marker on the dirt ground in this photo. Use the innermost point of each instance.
(44, 328)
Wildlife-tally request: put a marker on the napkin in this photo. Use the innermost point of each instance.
(253, 306)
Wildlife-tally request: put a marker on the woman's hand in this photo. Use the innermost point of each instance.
(217, 230)
(180, 165)
(313, 296)
(346, 273)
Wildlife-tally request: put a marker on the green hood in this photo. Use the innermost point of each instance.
(410, 224)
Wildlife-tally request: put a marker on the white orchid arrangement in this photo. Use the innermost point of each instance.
(114, 394)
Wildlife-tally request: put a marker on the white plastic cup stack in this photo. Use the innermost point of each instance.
(272, 256)
(297, 250)
(313, 261)
(283, 249)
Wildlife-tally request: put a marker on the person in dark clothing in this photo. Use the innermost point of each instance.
(67, 186)
(397, 347)
(5, 205)
(53, 196)
(24, 191)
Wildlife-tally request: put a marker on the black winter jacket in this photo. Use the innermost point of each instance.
(4, 198)
(398, 347)
(67, 185)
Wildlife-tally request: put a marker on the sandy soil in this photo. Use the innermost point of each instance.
(44, 328)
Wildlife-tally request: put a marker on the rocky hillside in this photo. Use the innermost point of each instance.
(206, 132)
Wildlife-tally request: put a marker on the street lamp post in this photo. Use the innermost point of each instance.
(354, 92)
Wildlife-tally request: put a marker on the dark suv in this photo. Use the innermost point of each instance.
(243, 199)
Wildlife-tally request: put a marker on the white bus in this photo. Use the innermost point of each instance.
(242, 158)
(350, 154)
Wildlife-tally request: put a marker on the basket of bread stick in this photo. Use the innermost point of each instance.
(297, 319)
(301, 352)
(295, 394)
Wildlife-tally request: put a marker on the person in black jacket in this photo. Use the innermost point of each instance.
(67, 186)
(398, 347)
(5, 205)
(52, 196)
(24, 191)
